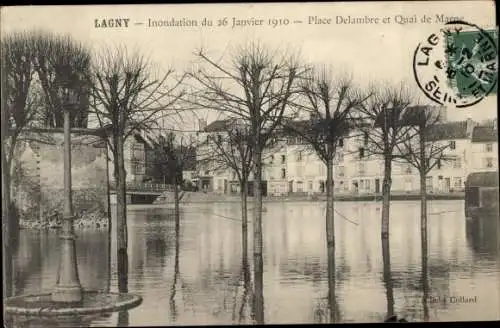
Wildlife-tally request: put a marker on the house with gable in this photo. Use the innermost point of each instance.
(484, 148)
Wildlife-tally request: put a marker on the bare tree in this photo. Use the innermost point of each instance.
(19, 108)
(53, 55)
(423, 151)
(231, 149)
(172, 155)
(385, 123)
(257, 86)
(329, 101)
(128, 96)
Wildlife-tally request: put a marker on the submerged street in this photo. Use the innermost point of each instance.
(197, 276)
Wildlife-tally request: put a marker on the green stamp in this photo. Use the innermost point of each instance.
(472, 62)
(459, 65)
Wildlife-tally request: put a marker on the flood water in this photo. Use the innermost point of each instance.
(201, 280)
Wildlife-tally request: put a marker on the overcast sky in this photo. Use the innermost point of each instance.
(370, 52)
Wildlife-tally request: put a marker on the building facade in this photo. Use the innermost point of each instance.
(484, 148)
(291, 167)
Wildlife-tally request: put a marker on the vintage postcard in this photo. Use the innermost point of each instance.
(249, 163)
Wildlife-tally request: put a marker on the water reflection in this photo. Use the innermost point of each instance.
(197, 274)
(483, 236)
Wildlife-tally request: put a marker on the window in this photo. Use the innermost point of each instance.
(310, 185)
(489, 147)
(340, 157)
(489, 162)
(341, 142)
(340, 171)
(361, 152)
(138, 167)
(457, 163)
(362, 168)
(283, 173)
(408, 169)
(219, 138)
(453, 144)
(428, 183)
(299, 156)
(283, 159)
(271, 159)
(439, 164)
(457, 183)
(365, 139)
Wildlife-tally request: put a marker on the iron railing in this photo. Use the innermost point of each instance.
(145, 186)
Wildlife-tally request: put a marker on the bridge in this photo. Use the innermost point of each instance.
(141, 192)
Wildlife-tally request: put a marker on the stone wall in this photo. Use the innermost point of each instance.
(38, 180)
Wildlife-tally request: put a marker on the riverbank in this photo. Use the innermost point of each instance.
(85, 221)
(201, 197)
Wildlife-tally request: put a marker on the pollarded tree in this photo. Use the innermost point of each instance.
(128, 96)
(329, 101)
(52, 56)
(231, 148)
(424, 151)
(256, 86)
(385, 122)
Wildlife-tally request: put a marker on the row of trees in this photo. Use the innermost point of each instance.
(262, 94)
(260, 91)
(118, 87)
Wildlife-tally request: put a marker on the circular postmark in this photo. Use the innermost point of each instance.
(457, 66)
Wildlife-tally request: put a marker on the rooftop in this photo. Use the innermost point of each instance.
(484, 134)
(217, 126)
(449, 130)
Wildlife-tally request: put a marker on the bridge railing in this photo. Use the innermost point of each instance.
(145, 186)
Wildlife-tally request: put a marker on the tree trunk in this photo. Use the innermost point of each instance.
(244, 221)
(108, 198)
(386, 196)
(423, 183)
(173, 307)
(121, 216)
(13, 217)
(6, 237)
(389, 292)
(176, 202)
(330, 240)
(423, 204)
(258, 240)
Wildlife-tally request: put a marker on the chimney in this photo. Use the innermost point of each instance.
(202, 124)
(469, 126)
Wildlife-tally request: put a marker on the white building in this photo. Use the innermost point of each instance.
(290, 166)
(484, 148)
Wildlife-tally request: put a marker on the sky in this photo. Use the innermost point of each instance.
(380, 52)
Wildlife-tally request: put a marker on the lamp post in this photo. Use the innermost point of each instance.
(68, 289)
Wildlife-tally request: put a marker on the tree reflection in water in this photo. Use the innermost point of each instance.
(247, 291)
(173, 291)
(425, 276)
(389, 290)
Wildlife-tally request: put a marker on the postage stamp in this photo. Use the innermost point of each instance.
(459, 65)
